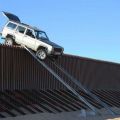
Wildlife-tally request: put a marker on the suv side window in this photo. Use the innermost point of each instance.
(21, 29)
(30, 33)
(11, 26)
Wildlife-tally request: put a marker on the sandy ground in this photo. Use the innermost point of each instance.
(77, 115)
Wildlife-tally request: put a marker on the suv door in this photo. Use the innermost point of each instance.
(19, 34)
(29, 39)
(11, 16)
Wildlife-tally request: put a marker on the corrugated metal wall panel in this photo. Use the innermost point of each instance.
(93, 74)
(19, 70)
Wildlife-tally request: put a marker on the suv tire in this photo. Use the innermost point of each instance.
(9, 41)
(41, 54)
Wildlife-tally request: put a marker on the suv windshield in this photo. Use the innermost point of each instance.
(41, 35)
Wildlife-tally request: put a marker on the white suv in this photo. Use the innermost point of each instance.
(15, 32)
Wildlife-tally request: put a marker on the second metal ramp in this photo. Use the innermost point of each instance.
(91, 107)
(78, 83)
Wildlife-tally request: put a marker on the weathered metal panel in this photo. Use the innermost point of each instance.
(18, 70)
(92, 73)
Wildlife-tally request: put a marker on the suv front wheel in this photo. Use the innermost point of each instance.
(9, 41)
(41, 54)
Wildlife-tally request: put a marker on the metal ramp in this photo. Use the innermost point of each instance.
(86, 91)
(76, 82)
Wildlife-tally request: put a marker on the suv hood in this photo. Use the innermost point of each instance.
(11, 16)
(51, 43)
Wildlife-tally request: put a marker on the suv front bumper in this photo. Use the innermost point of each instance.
(57, 51)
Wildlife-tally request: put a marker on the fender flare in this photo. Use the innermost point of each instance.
(11, 36)
(42, 47)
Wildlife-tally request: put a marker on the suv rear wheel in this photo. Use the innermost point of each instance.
(41, 54)
(9, 41)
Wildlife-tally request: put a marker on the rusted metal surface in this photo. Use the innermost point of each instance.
(24, 102)
(92, 74)
(28, 88)
(21, 102)
(18, 70)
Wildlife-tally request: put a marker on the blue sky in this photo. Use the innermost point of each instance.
(88, 28)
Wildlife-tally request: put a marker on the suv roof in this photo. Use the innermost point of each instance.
(31, 27)
(15, 19)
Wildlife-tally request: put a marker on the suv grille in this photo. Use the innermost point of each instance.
(57, 49)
